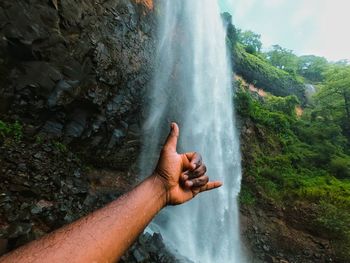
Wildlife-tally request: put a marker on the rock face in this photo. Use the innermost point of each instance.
(76, 70)
(72, 73)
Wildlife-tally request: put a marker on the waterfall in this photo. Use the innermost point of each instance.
(193, 87)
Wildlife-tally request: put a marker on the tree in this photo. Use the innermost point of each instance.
(312, 67)
(283, 59)
(250, 40)
(335, 95)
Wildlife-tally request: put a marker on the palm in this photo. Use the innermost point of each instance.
(171, 166)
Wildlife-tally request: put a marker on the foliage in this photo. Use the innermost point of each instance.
(334, 96)
(60, 147)
(340, 166)
(313, 68)
(298, 159)
(246, 196)
(283, 59)
(283, 104)
(250, 40)
(249, 107)
(11, 130)
(256, 70)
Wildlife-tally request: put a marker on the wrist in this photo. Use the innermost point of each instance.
(160, 189)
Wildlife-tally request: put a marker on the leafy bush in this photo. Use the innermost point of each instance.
(12, 130)
(246, 197)
(255, 70)
(60, 147)
(340, 166)
(284, 105)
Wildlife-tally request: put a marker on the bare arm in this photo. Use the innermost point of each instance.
(106, 234)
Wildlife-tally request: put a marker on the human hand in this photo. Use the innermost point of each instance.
(183, 175)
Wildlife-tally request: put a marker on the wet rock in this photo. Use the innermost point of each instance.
(19, 229)
(36, 210)
(269, 259)
(116, 138)
(266, 248)
(140, 256)
(44, 204)
(38, 156)
(22, 167)
(76, 126)
(150, 248)
(40, 76)
(63, 93)
(53, 127)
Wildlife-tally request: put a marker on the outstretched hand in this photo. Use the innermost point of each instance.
(183, 175)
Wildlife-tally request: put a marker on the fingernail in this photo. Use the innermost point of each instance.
(185, 176)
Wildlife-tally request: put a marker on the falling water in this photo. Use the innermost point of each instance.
(193, 86)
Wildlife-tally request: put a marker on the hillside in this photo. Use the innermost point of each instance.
(296, 181)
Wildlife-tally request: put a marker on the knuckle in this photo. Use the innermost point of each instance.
(200, 181)
(206, 179)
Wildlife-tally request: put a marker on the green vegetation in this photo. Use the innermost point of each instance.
(298, 160)
(250, 40)
(60, 147)
(295, 161)
(257, 70)
(283, 59)
(246, 197)
(11, 131)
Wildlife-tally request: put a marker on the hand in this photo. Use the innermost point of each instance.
(183, 175)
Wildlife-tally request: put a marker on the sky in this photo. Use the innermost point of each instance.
(317, 27)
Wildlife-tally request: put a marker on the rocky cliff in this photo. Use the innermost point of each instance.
(75, 71)
(72, 78)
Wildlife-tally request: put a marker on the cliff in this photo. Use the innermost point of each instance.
(72, 78)
(75, 71)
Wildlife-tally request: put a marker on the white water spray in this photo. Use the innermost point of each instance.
(193, 86)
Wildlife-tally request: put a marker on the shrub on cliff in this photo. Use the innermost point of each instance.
(10, 130)
(255, 70)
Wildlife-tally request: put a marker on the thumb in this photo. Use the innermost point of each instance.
(171, 141)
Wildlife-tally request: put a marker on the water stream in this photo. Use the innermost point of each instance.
(193, 86)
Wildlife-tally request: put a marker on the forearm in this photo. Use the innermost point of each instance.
(102, 236)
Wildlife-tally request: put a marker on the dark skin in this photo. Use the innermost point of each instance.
(106, 234)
